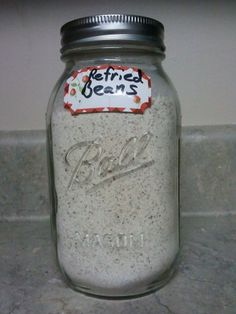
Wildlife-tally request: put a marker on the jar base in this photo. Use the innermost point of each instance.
(153, 286)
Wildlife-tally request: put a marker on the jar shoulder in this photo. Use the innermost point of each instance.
(56, 92)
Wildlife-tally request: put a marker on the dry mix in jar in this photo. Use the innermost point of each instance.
(113, 125)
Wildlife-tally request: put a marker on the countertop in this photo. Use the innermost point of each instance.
(205, 282)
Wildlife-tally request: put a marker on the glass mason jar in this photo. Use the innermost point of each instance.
(113, 125)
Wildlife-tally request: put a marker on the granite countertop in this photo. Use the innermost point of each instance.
(205, 282)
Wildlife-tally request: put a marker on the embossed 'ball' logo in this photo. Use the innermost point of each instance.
(93, 166)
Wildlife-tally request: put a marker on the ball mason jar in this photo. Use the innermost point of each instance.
(113, 130)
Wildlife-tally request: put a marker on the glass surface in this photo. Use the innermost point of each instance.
(114, 183)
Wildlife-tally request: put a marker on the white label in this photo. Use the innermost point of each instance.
(107, 88)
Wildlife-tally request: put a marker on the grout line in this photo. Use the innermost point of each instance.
(24, 218)
(209, 214)
(47, 217)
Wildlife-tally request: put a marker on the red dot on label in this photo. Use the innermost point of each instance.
(85, 78)
(73, 92)
(137, 99)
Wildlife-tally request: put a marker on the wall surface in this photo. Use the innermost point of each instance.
(200, 37)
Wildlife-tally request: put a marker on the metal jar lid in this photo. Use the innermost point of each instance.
(112, 28)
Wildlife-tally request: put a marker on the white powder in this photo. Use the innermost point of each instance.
(118, 230)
